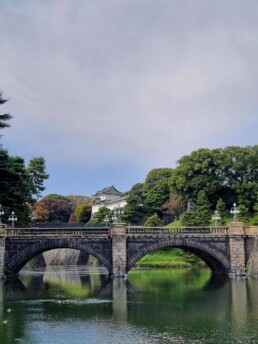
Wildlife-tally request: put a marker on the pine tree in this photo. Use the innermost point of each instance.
(203, 209)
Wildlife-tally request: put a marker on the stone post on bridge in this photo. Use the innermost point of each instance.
(118, 234)
(237, 249)
(2, 249)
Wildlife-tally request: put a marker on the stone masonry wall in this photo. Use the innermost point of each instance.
(253, 260)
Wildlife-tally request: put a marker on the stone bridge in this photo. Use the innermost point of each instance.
(226, 250)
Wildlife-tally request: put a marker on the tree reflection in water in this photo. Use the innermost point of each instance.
(172, 304)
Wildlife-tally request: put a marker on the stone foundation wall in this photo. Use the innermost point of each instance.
(253, 260)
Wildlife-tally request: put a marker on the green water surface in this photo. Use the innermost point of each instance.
(74, 305)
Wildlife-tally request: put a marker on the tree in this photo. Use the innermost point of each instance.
(203, 209)
(83, 213)
(153, 221)
(156, 188)
(241, 164)
(4, 118)
(37, 172)
(41, 212)
(189, 219)
(15, 187)
(135, 211)
(229, 174)
(59, 208)
(197, 171)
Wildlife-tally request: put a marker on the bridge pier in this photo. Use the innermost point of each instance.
(2, 251)
(237, 249)
(118, 234)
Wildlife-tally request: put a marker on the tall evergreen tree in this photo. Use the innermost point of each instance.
(203, 209)
(37, 174)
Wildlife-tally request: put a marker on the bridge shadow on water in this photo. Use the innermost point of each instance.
(216, 282)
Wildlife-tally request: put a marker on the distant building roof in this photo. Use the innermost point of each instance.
(110, 190)
(123, 198)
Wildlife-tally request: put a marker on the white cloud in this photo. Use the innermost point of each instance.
(141, 82)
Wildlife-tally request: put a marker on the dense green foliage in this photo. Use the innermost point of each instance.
(201, 216)
(156, 188)
(222, 211)
(229, 174)
(224, 175)
(17, 188)
(209, 179)
(143, 200)
(153, 221)
(135, 210)
(83, 213)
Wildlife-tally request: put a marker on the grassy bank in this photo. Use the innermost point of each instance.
(170, 258)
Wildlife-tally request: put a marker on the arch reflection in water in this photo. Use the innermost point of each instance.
(152, 306)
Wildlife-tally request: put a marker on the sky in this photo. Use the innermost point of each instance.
(107, 90)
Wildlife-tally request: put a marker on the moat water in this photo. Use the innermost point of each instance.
(74, 305)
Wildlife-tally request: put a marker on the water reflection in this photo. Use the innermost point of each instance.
(155, 306)
(119, 296)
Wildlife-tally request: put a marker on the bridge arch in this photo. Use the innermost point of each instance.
(216, 260)
(17, 262)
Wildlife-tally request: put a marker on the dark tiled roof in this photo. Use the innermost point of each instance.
(108, 190)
